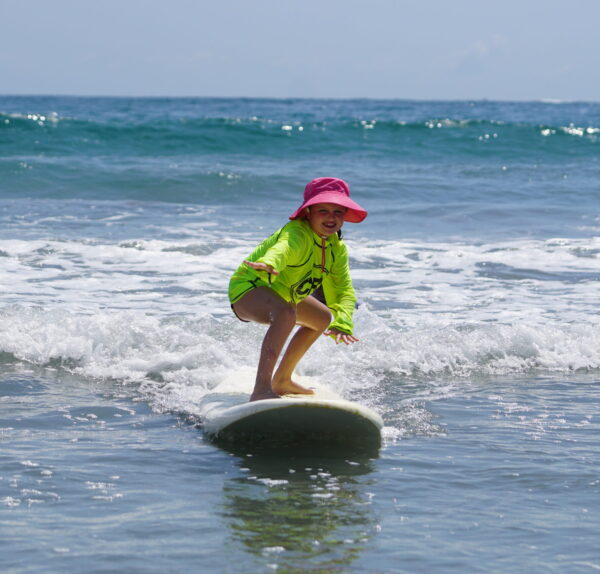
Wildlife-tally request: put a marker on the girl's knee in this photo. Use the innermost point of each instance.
(314, 315)
(324, 320)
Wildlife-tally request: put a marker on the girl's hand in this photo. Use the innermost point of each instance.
(262, 267)
(340, 337)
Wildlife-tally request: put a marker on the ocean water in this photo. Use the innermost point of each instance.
(478, 275)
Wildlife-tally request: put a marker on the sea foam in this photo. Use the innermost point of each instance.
(154, 315)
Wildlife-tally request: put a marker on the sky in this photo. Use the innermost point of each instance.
(407, 49)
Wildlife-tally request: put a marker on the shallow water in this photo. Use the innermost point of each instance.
(507, 469)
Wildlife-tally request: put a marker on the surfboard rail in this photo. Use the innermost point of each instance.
(296, 421)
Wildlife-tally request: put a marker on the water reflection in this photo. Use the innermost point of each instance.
(299, 513)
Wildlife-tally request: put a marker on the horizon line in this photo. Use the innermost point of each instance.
(546, 100)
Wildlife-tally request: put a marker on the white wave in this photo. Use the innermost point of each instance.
(155, 313)
(472, 282)
(154, 275)
(514, 281)
(176, 361)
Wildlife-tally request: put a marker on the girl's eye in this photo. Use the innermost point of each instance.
(336, 212)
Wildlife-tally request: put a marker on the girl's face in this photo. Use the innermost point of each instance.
(325, 219)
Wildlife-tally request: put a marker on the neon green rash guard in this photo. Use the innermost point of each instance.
(305, 262)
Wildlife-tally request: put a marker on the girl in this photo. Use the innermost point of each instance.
(274, 285)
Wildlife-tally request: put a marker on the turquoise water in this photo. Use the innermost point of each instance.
(477, 272)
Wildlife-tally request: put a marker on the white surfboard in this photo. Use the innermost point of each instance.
(323, 419)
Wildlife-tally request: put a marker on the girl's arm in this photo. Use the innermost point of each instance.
(340, 296)
(278, 251)
(260, 266)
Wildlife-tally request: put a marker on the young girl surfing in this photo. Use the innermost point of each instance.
(273, 285)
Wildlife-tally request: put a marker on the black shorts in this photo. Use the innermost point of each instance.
(243, 320)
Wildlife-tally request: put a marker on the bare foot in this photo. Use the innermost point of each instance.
(290, 387)
(263, 395)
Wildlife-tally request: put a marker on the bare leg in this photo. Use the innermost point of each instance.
(313, 318)
(264, 306)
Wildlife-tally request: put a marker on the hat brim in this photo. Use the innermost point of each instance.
(354, 212)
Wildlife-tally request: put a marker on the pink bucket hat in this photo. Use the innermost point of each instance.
(331, 190)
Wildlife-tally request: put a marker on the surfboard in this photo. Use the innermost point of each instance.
(320, 420)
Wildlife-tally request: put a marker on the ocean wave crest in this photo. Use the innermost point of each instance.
(165, 136)
(166, 355)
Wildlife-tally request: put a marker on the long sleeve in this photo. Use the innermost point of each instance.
(339, 292)
(287, 249)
